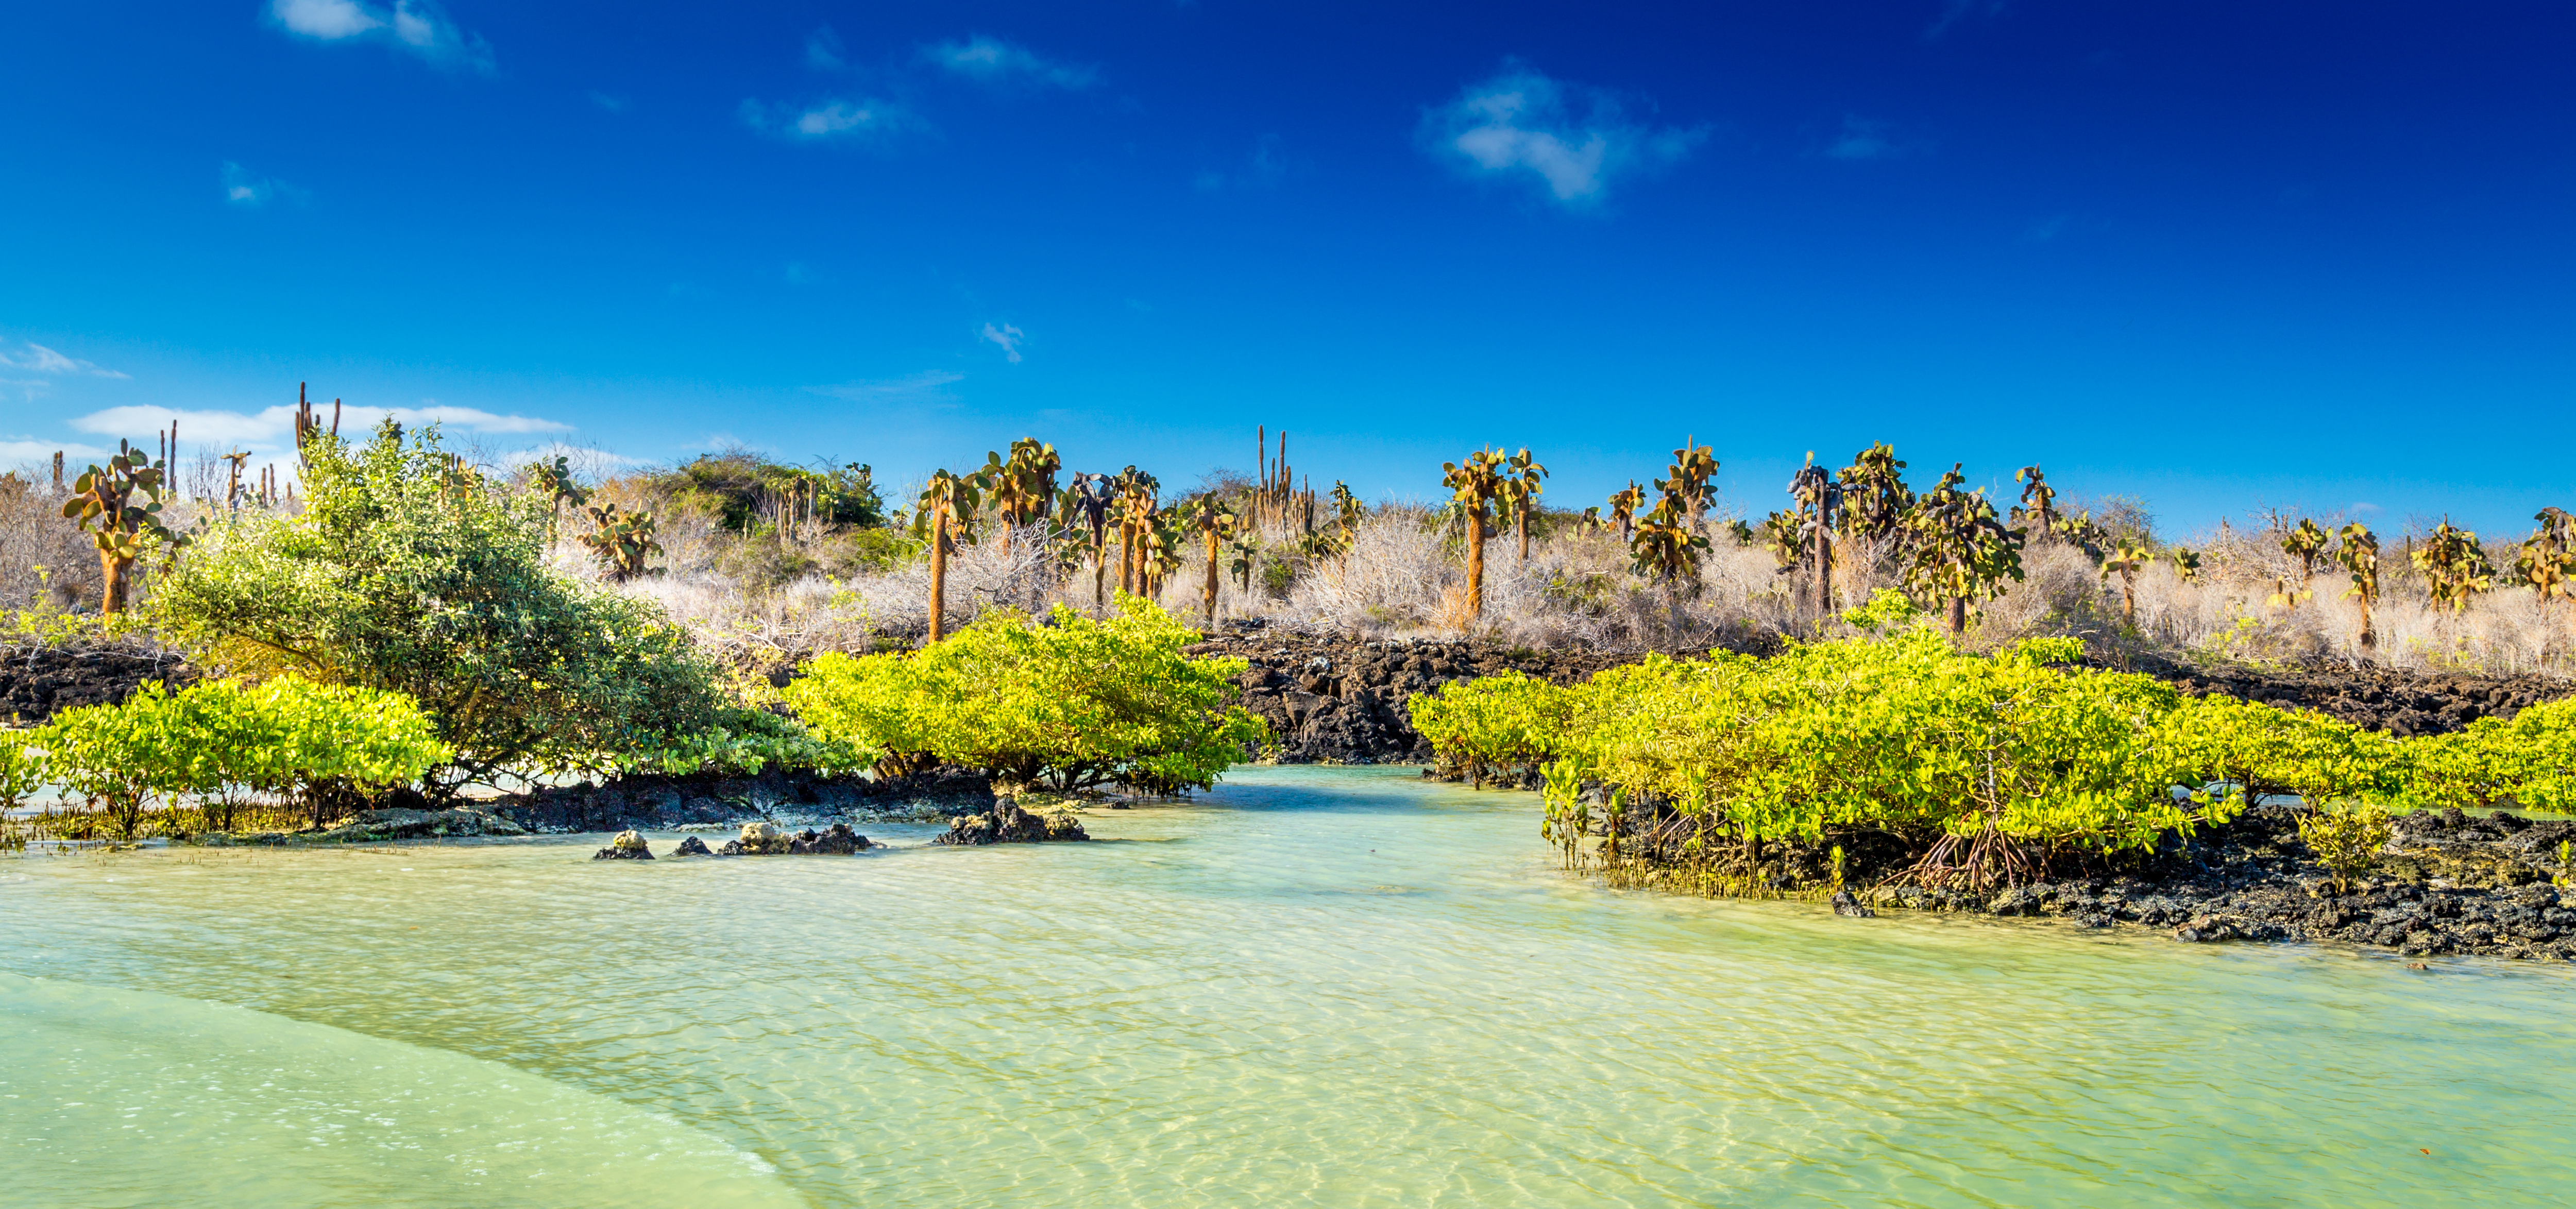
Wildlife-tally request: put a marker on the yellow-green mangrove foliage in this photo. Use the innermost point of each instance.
(222, 739)
(2531, 760)
(1063, 701)
(1898, 731)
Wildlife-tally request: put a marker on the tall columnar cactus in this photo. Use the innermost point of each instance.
(1694, 468)
(2306, 543)
(1957, 550)
(1138, 504)
(1475, 483)
(103, 502)
(2454, 565)
(2358, 551)
(1215, 522)
(554, 480)
(1667, 548)
(943, 499)
(2038, 501)
(1876, 500)
(1820, 506)
(623, 540)
(2548, 561)
(1522, 482)
(1623, 508)
(2125, 561)
(1086, 504)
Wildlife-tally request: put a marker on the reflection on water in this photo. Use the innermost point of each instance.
(1325, 986)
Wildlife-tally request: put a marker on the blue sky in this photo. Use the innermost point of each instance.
(2215, 255)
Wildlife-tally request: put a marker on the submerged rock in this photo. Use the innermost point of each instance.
(759, 837)
(628, 846)
(693, 846)
(1007, 823)
(837, 840)
(1845, 904)
(377, 826)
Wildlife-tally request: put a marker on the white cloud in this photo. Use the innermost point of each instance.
(928, 386)
(30, 357)
(1574, 140)
(828, 121)
(420, 27)
(609, 102)
(19, 451)
(1008, 337)
(991, 60)
(276, 425)
(325, 19)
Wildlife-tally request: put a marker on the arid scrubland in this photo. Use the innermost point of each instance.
(767, 564)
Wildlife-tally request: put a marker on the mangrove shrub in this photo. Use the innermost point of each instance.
(1063, 701)
(405, 574)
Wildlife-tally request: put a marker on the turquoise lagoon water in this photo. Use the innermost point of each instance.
(1312, 987)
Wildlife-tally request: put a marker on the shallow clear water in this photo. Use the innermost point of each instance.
(1323, 986)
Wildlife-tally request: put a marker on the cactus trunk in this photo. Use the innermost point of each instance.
(1209, 594)
(1476, 563)
(112, 578)
(1524, 518)
(938, 570)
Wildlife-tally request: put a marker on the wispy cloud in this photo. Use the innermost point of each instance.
(272, 426)
(1263, 169)
(419, 27)
(824, 52)
(829, 121)
(1863, 139)
(610, 102)
(36, 358)
(991, 60)
(2042, 230)
(1008, 337)
(928, 386)
(1955, 11)
(250, 191)
(1572, 140)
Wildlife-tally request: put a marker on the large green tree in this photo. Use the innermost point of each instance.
(395, 578)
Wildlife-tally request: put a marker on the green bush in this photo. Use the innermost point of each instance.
(1987, 764)
(220, 739)
(1493, 727)
(744, 743)
(405, 575)
(1066, 702)
(2530, 760)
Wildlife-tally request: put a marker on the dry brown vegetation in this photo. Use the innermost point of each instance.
(764, 577)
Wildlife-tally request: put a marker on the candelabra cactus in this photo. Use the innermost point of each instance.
(2038, 499)
(943, 499)
(2358, 551)
(1623, 508)
(2306, 543)
(2548, 562)
(554, 480)
(1820, 507)
(1521, 484)
(2454, 565)
(103, 504)
(1957, 550)
(623, 540)
(1474, 484)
